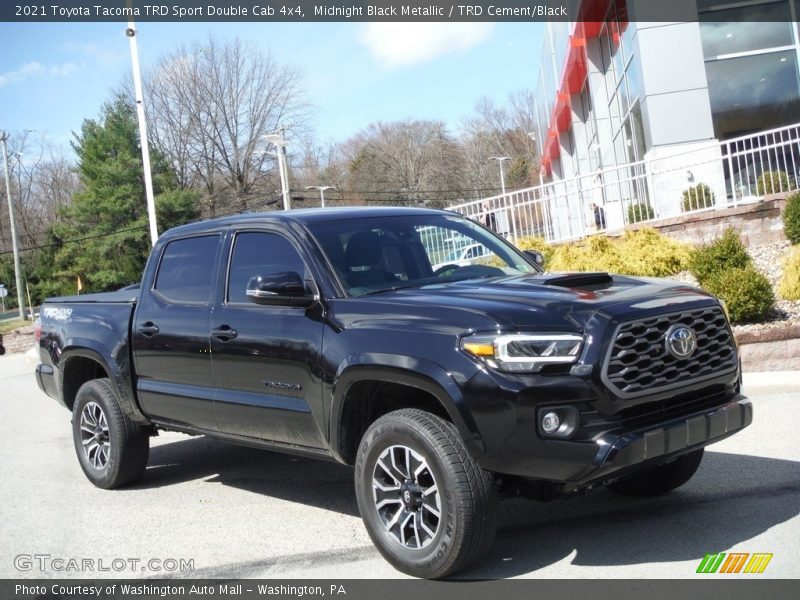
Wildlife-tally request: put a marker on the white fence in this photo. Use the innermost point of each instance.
(705, 177)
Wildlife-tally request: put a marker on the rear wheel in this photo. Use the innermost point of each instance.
(112, 449)
(655, 481)
(428, 507)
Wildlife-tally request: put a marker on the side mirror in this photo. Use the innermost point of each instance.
(279, 289)
(535, 256)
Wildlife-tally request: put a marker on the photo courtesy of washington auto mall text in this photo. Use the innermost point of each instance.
(392, 299)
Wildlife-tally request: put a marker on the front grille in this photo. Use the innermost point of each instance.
(639, 362)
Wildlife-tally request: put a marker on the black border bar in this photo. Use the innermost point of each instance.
(730, 587)
(524, 11)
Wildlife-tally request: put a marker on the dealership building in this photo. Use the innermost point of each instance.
(626, 110)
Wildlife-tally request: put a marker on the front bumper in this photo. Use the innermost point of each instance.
(616, 454)
(572, 465)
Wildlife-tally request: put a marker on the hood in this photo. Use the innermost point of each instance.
(561, 301)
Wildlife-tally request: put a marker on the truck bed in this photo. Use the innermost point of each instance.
(126, 295)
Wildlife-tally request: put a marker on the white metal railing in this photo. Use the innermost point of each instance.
(747, 158)
(707, 177)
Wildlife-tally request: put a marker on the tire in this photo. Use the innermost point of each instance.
(111, 449)
(399, 511)
(655, 481)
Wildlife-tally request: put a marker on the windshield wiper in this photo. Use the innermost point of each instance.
(470, 277)
(395, 288)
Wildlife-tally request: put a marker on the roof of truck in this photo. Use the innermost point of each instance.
(310, 215)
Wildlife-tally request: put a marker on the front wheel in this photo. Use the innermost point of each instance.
(655, 481)
(112, 449)
(428, 507)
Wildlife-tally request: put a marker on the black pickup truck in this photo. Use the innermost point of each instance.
(370, 337)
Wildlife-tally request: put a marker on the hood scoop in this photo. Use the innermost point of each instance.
(578, 280)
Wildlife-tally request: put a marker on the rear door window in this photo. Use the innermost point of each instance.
(186, 272)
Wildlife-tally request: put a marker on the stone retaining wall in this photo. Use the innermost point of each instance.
(770, 349)
(20, 340)
(759, 223)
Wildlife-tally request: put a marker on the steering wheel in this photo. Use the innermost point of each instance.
(468, 271)
(446, 269)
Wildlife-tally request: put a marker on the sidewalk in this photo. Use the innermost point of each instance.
(771, 382)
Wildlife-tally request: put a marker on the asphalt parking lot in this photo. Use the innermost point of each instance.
(238, 512)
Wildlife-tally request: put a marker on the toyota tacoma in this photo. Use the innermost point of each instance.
(329, 333)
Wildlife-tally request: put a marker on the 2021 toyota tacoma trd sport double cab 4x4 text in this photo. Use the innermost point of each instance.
(328, 333)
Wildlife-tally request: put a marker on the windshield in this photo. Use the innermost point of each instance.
(373, 255)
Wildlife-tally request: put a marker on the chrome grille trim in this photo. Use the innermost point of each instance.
(638, 362)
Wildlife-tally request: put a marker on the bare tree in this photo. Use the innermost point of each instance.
(405, 162)
(209, 106)
(321, 164)
(504, 130)
(42, 182)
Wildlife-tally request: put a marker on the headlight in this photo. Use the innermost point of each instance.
(524, 353)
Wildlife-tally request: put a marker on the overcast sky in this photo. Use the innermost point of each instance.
(52, 76)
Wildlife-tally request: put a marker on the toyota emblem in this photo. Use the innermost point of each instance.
(681, 341)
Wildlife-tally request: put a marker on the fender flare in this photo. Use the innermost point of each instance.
(413, 372)
(119, 381)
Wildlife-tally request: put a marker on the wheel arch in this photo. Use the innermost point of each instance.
(79, 364)
(401, 382)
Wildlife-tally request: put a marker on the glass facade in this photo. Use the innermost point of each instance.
(753, 93)
(752, 67)
(581, 149)
(750, 50)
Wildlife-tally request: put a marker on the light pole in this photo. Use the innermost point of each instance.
(14, 240)
(277, 140)
(321, 189)
(532, 135)
(500, 160)
(137, 90)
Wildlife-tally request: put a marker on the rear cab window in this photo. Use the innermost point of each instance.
(186, 271)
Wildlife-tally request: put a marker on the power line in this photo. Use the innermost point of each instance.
(76, 240)
(341, 198)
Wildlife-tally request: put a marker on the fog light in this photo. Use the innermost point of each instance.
(550, 423)
(558, 422)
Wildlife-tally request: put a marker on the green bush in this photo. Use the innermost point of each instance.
(724, 253)
(773, 182)
(791, 219)
(640, 211)
(789, 286)
(697, 197)
(645, 253)
(649, 254)
(746, 292)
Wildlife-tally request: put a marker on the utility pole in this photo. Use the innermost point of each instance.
(277, 140)
(14, 240)
(321, 189)
(500, 160)
(137, 89)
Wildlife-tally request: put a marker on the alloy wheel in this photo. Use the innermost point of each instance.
(406, 496)
(94, 435)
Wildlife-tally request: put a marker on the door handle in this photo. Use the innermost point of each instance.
(224, 333)
(149, 329)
